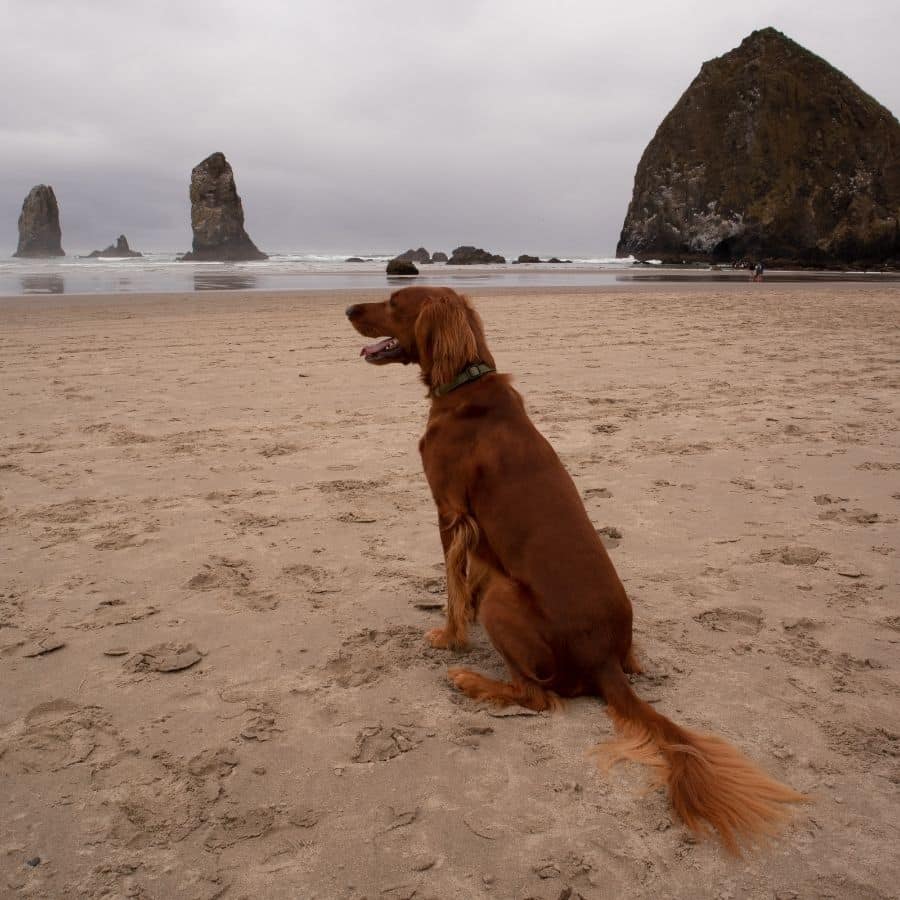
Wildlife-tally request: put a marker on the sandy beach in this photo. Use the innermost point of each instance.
(220, 556)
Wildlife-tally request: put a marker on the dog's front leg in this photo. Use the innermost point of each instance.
(459, 536)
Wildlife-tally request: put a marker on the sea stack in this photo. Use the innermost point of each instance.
(119, 250)
(217, 216)
(773, 154)
(39, 231)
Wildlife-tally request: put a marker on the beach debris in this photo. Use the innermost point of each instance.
(508, 712)
(33, 863)
(168, 657)
(43, 646)
(610, 535)
(115, 651)
(800, 556)
(356, 518)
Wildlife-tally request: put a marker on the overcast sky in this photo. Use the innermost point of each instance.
(357, 126)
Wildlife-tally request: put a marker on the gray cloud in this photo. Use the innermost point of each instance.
(356, 125)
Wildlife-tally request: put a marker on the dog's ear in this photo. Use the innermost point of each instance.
(445, 339)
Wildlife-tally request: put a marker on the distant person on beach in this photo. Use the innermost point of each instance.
(758, 271)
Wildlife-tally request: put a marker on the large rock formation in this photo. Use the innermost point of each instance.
(39, 231)
(770, 153)
(119, 250)
(217, 216)
(473, 256)
(398, 266)
(415, 256)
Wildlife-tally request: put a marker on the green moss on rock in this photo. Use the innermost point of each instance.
(773, 153)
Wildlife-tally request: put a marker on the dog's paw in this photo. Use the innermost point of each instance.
(440, 639)
(470, 683)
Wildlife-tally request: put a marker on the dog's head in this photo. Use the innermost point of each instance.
(433, 327)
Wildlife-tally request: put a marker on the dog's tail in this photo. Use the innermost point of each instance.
(462, 575)
(711, 785)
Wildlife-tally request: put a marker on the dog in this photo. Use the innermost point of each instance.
(523, 558)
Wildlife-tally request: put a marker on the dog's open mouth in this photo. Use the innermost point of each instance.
(386, 350)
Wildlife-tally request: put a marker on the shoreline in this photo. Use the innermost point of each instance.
(137, 277)
(475, 289)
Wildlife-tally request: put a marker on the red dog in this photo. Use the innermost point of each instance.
(523, 556)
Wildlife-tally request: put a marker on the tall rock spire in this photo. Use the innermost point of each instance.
(217, 215)
(39, 231)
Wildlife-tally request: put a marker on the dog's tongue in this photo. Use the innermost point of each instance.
(369, 349)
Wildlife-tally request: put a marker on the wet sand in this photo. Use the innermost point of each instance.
(220, 556)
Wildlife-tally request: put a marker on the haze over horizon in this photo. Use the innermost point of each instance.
(356, 127)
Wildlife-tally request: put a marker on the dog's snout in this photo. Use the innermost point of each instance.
(351, 311)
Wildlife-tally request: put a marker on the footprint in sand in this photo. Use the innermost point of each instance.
(368, 656)
(235, 577)
(58, 734)
(798, 555)
(237, 827)
(379, 743)
(747, 621)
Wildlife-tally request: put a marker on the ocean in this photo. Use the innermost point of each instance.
(163, 273)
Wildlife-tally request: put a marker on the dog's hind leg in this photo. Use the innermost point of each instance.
(505, 612)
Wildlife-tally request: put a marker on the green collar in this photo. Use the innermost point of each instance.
(469, 373)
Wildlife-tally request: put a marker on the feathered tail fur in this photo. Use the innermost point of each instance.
(712, 786)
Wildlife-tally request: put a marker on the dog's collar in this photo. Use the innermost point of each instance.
(470, 373)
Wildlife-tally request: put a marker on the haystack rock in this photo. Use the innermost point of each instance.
(39, 231)
(119, 250)
(771, 153)
(217, 216)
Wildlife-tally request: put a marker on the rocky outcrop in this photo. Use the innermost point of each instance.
(398, 266)
(525, 258)
(770, 153)
(119, 250)
(438, 257)
(473, 256)
(217, 215)
(39, 231)
(415, 256)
